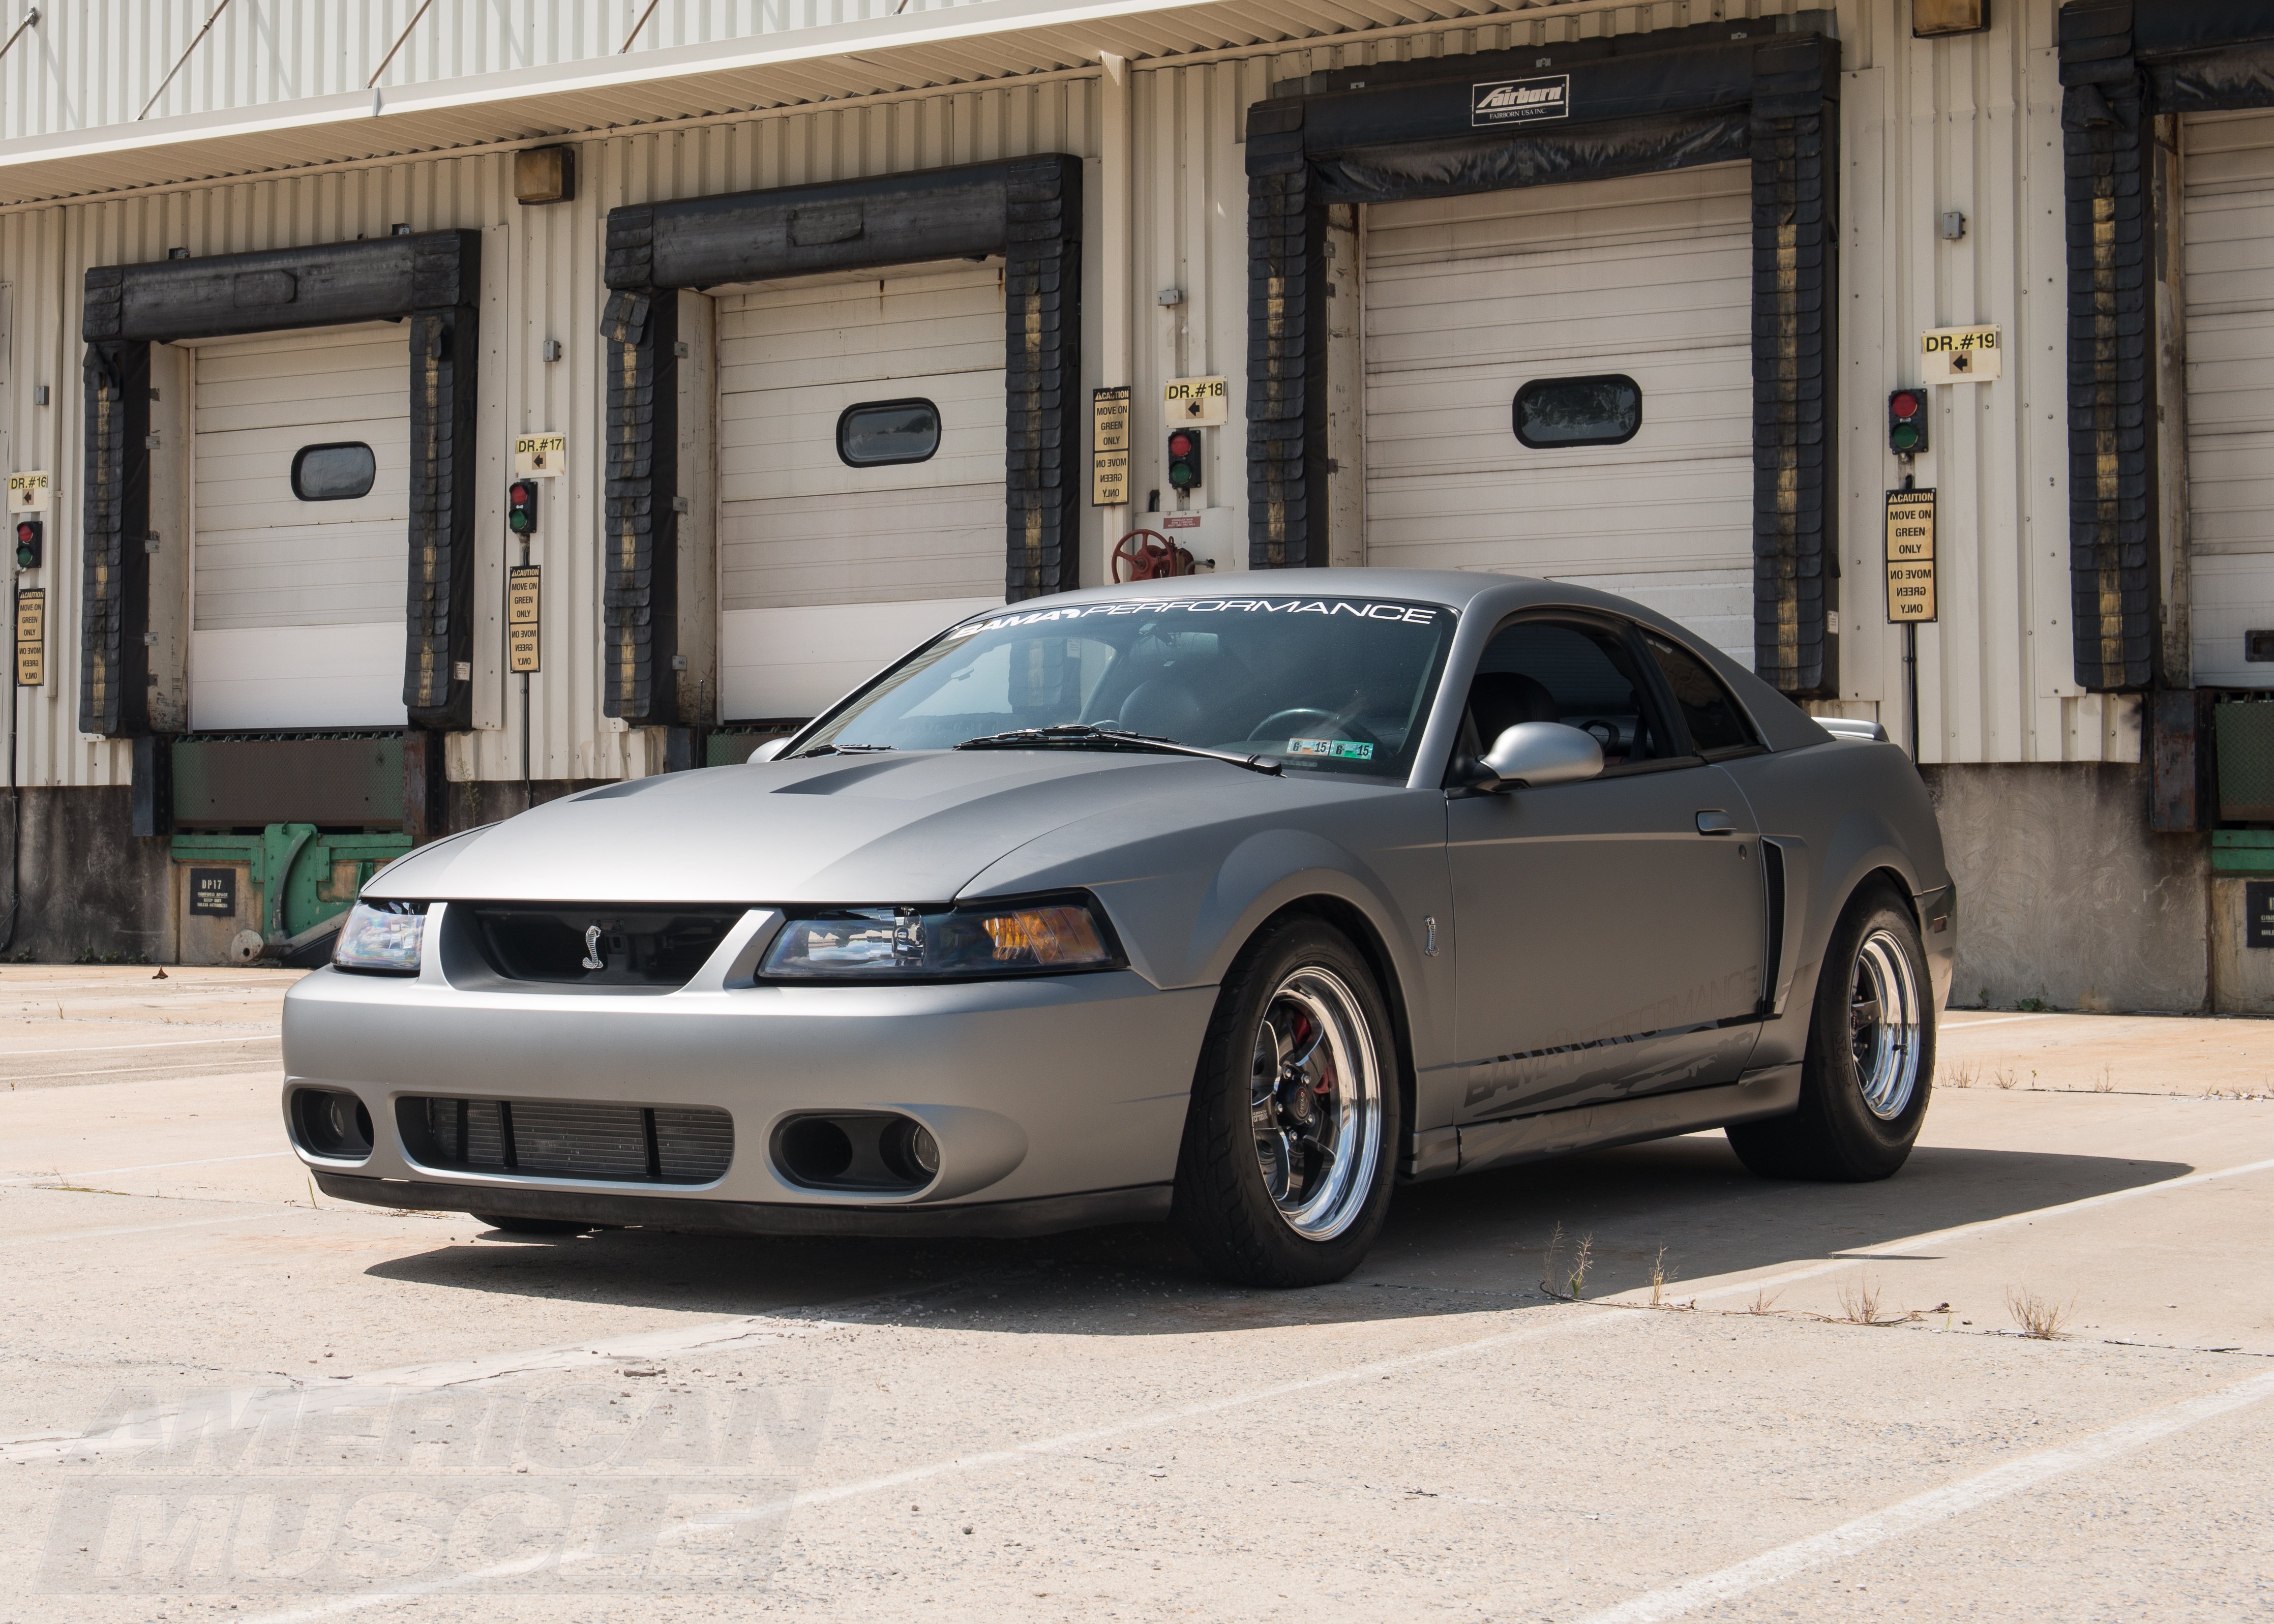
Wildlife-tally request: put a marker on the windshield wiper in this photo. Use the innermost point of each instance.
(845, 749)
(1083, 736)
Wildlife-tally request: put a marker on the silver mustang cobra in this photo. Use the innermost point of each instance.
(1234, 900)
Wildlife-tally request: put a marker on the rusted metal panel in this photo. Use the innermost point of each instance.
(2176, 780)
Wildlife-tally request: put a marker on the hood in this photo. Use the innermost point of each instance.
(849, 828)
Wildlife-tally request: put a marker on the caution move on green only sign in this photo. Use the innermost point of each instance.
(1910, 556)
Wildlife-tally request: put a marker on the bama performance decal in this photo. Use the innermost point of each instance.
(1520, 100)
(1333, 608)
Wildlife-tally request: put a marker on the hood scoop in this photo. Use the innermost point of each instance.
(844, 778)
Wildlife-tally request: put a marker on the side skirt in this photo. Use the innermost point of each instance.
(1771, 1092)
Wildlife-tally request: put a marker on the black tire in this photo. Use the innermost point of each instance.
(530, 1226)
(1224, 1204)
(1838, 1135)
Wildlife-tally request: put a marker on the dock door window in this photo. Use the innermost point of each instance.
(1578, 411)
(876, 432)
(334, 473)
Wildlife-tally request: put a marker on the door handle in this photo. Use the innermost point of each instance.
(1716, 824)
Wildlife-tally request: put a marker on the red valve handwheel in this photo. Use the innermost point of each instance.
(1148, 555)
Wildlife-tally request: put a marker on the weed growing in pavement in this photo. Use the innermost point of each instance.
(1957, 1076)
(2003, 1078)
(2039, 1317)
(2033, 1006)
(1657, 1279)
(1575, 1276)
(1859, 1302)
(1762, 1303)
(2105, 1083)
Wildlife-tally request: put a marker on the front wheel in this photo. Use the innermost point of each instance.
(1870, 1055)
(1284, 1176)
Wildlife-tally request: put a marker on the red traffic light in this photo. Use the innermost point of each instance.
(1906, 422)
(26, 531)
(521, 506)
(1184, 458)
(519, 492)
(28, 538)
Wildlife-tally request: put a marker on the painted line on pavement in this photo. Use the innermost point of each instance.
(147, 1167)
(1059, 1444)
(145, 1229)
(106, 1049)
(64, 1079)
(1935, 1506)
(1996, 1021)
(1967, 1231)
(140, 1430)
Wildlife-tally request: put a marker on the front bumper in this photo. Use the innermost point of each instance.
(1047, 1215)
(1036, 1090)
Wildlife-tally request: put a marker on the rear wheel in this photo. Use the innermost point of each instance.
(1285, 1172)
(530, 1226)
(1870, 1064)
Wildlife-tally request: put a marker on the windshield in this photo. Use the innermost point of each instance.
(1324, 684)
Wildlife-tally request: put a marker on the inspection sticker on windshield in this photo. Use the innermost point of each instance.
(1339, 749)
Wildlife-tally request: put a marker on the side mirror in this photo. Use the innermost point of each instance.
(1538, 754)
(771, 749)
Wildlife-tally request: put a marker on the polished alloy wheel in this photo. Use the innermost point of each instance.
(1883, 1025)
(1315, 1095)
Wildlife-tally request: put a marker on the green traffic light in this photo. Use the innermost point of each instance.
(1903, 436)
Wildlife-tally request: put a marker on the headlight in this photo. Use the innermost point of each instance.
(383, 936)
(1047, 936)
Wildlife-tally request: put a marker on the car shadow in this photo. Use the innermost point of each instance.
(1461, 1245)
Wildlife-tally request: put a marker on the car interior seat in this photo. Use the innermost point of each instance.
(1498, 700)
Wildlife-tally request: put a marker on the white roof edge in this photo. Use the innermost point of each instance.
(514, 88)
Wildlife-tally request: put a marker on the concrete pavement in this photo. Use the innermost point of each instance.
(338, 1411)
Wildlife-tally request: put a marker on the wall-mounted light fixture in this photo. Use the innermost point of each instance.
(1932, 19)
(545, 175)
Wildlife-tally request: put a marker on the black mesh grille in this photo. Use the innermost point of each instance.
(655, 949)
(570, 1138)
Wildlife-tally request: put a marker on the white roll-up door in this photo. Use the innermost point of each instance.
(829, 570)
(1468, 300)
(2227, 260)
(297, 605)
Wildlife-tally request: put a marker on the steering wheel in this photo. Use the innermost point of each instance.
(1269, 726)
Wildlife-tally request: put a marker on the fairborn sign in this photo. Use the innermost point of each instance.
(1520, 100)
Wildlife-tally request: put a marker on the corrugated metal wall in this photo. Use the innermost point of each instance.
(90, 63)
(1971, 124)
(1967, 123)
(540, 272)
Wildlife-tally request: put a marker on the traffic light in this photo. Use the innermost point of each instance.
(521, 506)
(1184, 458)
(1907, 422)
(28, 540)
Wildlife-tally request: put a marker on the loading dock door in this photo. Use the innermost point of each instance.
(830, 567)
(297, 571)
(1569, 290)
(2227, 169)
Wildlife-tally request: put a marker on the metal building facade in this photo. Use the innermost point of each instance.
(741, 97)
